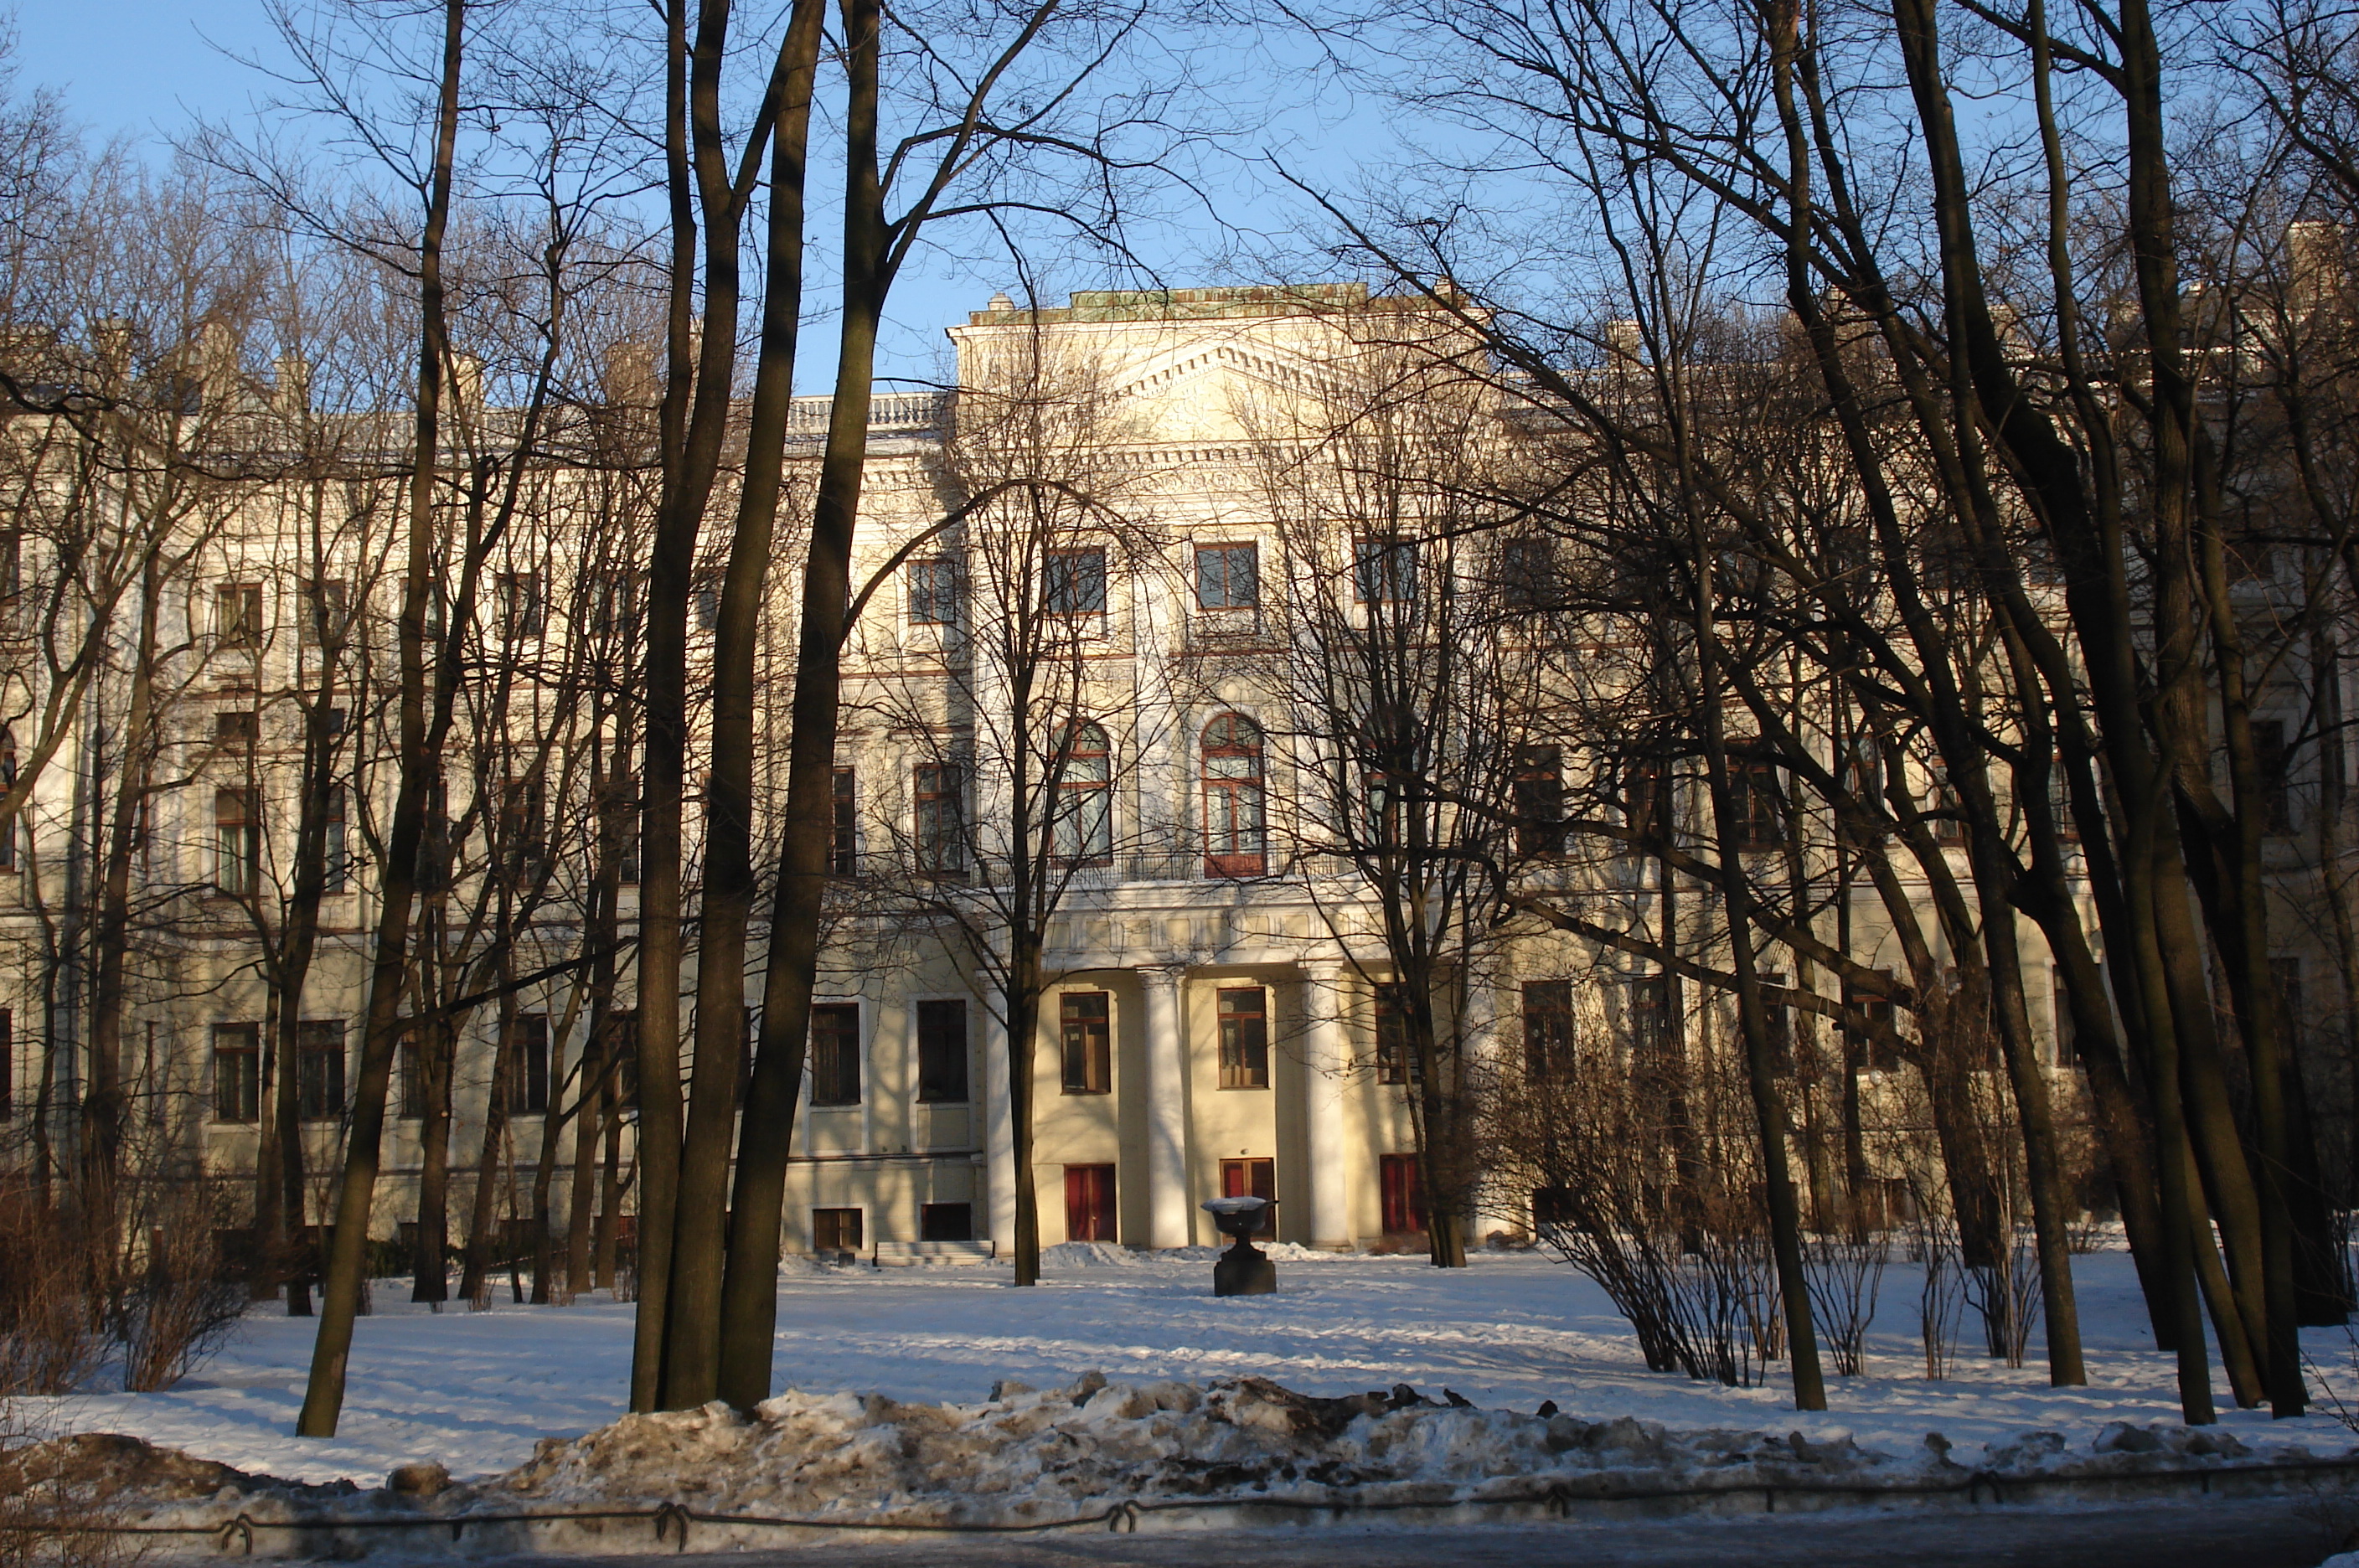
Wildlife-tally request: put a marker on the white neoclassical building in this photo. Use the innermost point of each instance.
(1093, 559)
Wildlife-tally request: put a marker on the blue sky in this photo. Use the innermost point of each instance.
(149, 68)
(139, 67)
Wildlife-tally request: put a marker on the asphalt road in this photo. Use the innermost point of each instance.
(2277, 1532)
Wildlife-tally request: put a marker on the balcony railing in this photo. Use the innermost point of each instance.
(889, 414)
(1115, 871)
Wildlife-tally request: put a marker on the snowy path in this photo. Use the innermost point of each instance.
(476, 1389)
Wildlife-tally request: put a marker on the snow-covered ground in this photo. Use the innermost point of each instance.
(475, 1390)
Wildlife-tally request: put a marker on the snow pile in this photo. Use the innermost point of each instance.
(1106, 1254)
(1028, 1455)
(476, 1391)
(1088, 1255)
(1279, 1251)
(796, 1266)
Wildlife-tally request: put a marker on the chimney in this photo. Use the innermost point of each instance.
(1625, 344)
(467, 382)
(2314, 262)
(215, 354)
(291, 384)
(110, 340)
(630, 378)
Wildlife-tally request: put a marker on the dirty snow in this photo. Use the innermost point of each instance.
(477, 1391)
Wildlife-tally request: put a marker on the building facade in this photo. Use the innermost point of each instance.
(1094, 579)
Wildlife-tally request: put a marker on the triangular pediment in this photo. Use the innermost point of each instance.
(1208, 386)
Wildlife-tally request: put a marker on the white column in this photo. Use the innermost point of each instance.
(998, 1137)
(1325, 1060)
(1166, 1110)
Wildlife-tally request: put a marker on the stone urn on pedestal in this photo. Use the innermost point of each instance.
(1243, 1269)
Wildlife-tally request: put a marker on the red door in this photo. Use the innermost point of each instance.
(1089, 1203)
(1404, 1197)
(1253, 1179)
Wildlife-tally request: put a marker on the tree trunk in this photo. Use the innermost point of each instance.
(323, 1398)
(436, 1043)
(748, 1305)
(103, 1106)
(1753, 1021)
(484, 1220)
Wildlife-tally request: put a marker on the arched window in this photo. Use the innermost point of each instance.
(1081, 826)
(1233, 841)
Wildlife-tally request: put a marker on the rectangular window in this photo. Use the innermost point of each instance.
(946, 1221)
(2270, 755)
(941, 1052)
(1946, 815)
(238, 1072)
(526, 1054)
(12, 564)
(11, 823)
(618, 800)
(1645, 795)
(1074, 582)
(1396, 1060)
(521, 610)
(835, 1054)
(523, 824)
(1861, 775)
(1245, 1039)
(1527, 574)
(1086, 1022)
(615, 606)
(337, 866)
(1384, 570)
(844, 827)
(409, 1064)
(1548, 1032)
(1089, 1203)
(1649, 1016)
(7, 1063)
(1253, 1179)
(237, 618)
(2293, 1024)
(941, 820)
(237, 726)
(325, 613)
(319, 1070)
(1873, 1051)
(934, 592)
(623, 1048)
(1539, 801)
(1756, 802)
(237, 842)
(1228, 576)
(1402, 1192)
(837, 1231)
(2068, 1050)
(1780, 1020)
